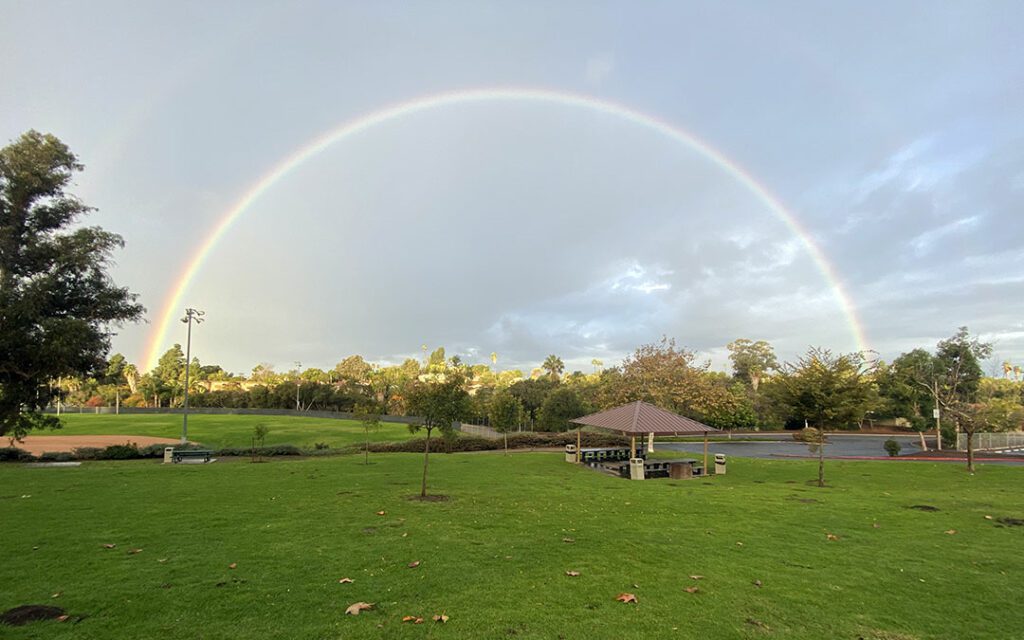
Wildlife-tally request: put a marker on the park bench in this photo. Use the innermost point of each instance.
(178, 456)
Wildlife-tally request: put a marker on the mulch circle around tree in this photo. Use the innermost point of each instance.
(430, 498)
(923, 507)
(27, 613)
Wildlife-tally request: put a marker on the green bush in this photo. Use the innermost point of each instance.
(14, 454)
(121, 452)
(271, 450)
(87, 453)
(892, 447)
(56, 456)
(527, 440)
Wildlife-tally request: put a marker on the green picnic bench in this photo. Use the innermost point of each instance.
(178, 456)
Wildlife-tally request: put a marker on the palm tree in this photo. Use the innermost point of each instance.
(597, 364)
(554, 366)
(131, 376)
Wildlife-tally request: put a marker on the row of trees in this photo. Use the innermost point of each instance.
(838, 391)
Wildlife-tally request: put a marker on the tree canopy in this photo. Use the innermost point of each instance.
(58, 305)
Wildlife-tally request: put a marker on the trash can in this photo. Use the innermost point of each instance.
(719, 464)
(168, 455)
(680, 470)
(570, 453)
(636, 468)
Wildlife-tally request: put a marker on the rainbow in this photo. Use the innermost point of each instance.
(173, 304)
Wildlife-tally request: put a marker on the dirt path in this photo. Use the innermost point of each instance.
(40, 444)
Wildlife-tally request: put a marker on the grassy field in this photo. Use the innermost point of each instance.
(230, 430)
(494, 556)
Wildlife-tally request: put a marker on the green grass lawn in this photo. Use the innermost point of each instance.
(494, 556)
(220, 431)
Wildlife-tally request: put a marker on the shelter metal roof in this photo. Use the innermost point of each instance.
(643, 417)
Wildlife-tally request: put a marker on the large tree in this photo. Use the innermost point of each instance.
(672, 378)
(953, 375)
(561, 406)
(751, 360)
(554, 366)
(58, 305)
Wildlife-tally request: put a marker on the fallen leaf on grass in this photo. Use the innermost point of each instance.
(355, 608)
(57, 595)
(441, 618)
(63, 618)
(627, 598)
(414, 564)
(988, 517)
(346, 581)
(109, 546)
(162, 560)
(132, 552)
(233, 565)
(568, 540)
(739, 544)
(696, 577)
(381, 513)
(951, 532)
(757, 623)
(412, 619)
(692, 589)
(831, 536)
(572, 574)
(757, 583)
(875, 525)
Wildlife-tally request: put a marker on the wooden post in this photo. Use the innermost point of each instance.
(632, 445)
(577, 446)
(706, 454)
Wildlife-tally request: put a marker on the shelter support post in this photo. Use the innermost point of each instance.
(705, 452)
(650, 442)
(577, 446)
(632, 445)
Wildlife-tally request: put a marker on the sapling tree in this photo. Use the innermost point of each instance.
(505, 414)
(437, 404)
(369, 415)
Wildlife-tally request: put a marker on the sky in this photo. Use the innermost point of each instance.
(847, 175)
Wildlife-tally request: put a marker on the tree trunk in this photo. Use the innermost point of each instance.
(821, 457)
(426, 460)
(366, 456)
(924, 445)
(505, 433)
(970, 452)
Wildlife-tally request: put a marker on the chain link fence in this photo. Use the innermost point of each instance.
(993, 441)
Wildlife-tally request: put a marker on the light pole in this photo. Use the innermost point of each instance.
(298, 385)
(191, 315)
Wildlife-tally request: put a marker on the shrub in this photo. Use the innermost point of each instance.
(87, 453)
(272, 450)
(14, 454)
(892, 447)
(56, 456)
(320, 446)
(121, 452)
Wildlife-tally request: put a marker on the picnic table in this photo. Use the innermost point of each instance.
(663, 468)
(603, 454)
